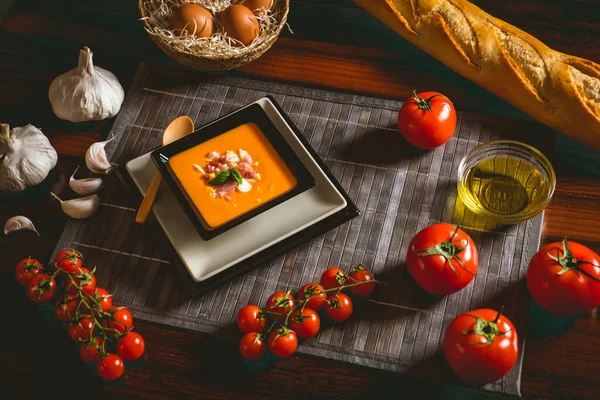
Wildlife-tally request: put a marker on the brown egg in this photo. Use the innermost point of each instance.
(258, 6)
(239, 23)
(195, 19)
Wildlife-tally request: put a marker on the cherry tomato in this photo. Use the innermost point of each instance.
(105, 299)
(318, 301)
(80, 331)
(333, 278)
(283, 342)
(279, 303)
(361, 274)
(69, 260)
(253, 346)
(442, 259)
(84, 279)
(121, 321)
(131, 346)
(251, 319)
(110, 367)
(306, 326)
(338, 307)
(89, 352)
(427, 120)
(64, 310)
(564, 278)
(27, 269)
(481, 346)
(41, 288)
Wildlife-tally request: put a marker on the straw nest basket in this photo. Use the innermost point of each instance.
(191, 55)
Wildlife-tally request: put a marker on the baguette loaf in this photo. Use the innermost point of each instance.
(557, 89)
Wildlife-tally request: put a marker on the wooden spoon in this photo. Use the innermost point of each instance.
(178, 128)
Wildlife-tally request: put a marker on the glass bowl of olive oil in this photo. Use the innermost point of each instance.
(506, 181)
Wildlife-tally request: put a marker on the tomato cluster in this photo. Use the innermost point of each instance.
(88, 312)
(481, 345)
(563, 277)
(285, 319)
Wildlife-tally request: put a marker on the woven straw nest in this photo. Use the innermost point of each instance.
(217, 53)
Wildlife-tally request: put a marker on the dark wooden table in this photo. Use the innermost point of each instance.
(337, 46)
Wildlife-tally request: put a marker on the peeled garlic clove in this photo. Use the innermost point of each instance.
(18, 223)
(83, 207)
(95, 158)
(85, 186)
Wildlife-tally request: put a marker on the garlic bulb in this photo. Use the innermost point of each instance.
(26, 157)
(85, 186)
(80, 208)
(86, 93)
(18, 223)
(95, 158)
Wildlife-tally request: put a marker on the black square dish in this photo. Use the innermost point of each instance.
(252, 113)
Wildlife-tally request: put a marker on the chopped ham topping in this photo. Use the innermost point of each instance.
(226, 189)
(230, 160)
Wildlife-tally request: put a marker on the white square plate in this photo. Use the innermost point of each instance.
(204, 259)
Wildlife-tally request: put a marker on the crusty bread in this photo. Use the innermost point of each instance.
(557, 89)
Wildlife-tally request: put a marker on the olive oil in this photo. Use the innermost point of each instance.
(505, 185)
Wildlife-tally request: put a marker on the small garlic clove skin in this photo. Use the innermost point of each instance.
(80, 208)
(85, 186)
(18, 223)
(96, 159)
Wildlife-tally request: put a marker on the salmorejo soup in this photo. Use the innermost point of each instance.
(231, 174)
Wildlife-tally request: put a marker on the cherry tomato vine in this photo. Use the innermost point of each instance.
(104, 331)
(285, 319)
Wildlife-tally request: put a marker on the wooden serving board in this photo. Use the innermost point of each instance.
(397, 189)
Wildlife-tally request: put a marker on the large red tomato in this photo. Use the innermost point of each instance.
(427, 120)
(481, 345)
(442, 259)
(564, 278)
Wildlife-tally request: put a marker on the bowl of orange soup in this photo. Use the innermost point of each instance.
(231, 170)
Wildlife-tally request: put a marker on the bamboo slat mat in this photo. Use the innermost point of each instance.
(398, 192)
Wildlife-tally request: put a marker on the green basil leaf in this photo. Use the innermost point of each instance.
(236, 176)
(220, 179)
